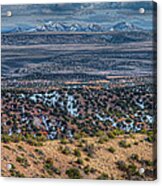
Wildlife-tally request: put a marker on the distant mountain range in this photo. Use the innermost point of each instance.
(124, 26)
(75, 27)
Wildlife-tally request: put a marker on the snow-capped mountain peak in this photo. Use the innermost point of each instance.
(75, 27)
(123, 26)
(51, 26)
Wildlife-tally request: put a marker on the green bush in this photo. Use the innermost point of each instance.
(77, 136)
(100, 133)
(14, 138)
(34, 142)
(79, 161)
(48, 166)
(87, 159)
(21, 148)
(23, 161)
(150, 139)
(149, 163)
(135, 143)
(118, 132)
(77, 153)
(103, 139)
(73, 173)
(134, 157)
(150, 133)
(7, 147)
(41, 138)
(121, 165)
(66, 151)
(90, 149)
(111, 135)
(124, 144)
(103, 176)
(132, 136)
(5, 138)
(132, 169)
(80, 144)
(111, 149)
(143, 131)
(63, 141)
(15, 173)
(87, 169)
(80, 135)
(39, 152)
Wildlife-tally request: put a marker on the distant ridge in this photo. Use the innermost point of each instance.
(74, 27)
(124, 26)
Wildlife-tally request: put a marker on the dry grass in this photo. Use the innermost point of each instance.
(101, 163)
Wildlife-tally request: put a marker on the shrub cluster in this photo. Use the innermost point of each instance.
(73, 173)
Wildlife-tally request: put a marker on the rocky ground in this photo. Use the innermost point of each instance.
(65, 112)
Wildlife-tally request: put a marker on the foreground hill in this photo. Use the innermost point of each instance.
(89, 158)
